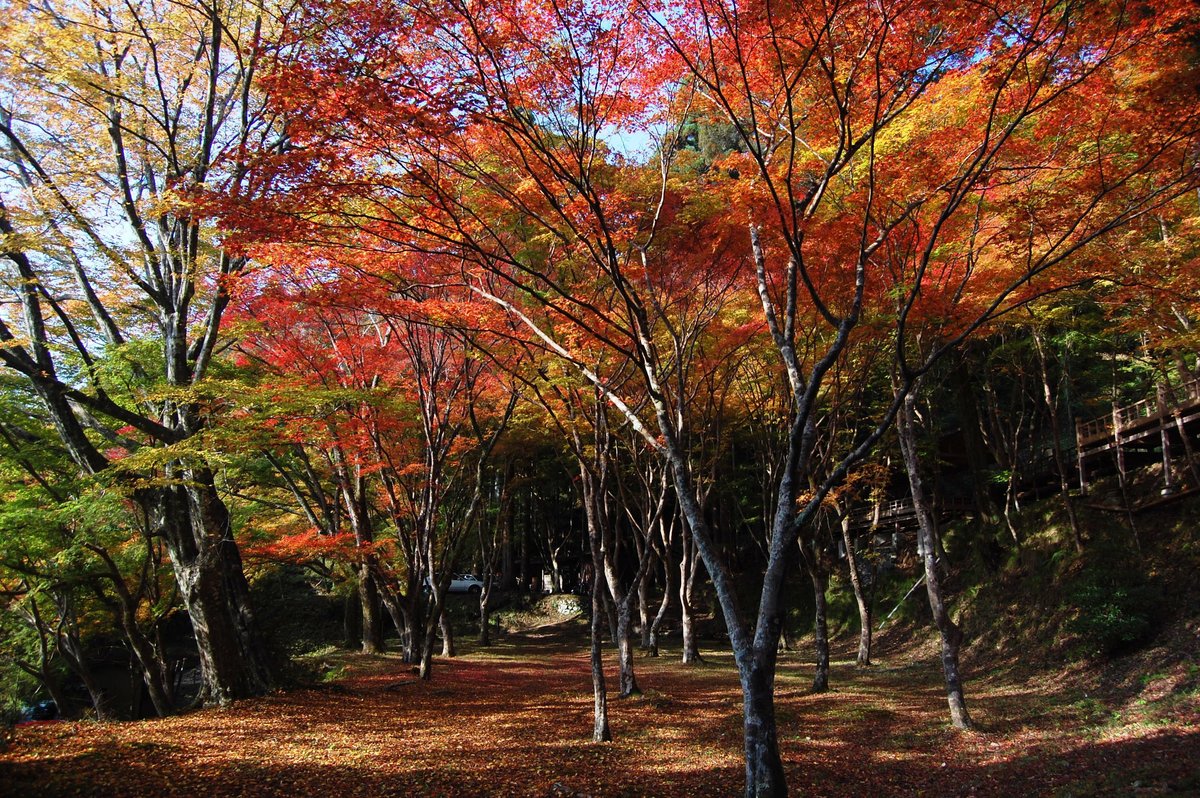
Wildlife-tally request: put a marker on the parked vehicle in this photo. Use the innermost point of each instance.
(45, 711)
(466, 583)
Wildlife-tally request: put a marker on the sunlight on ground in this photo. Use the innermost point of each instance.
(517, 721)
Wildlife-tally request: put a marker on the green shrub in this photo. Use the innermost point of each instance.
(1114, 611)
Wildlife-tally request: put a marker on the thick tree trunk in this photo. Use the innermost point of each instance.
(860, 597)
(208, 570)
(372, 618)
(764, 768)
(950, 633)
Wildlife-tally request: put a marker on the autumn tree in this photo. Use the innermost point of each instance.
(399, 408)
(913, 168)
(879, 193)
(76, 564)
(113, 117)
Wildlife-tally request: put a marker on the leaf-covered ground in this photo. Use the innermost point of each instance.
(516, 720)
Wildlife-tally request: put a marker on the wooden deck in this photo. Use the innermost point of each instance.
(900, 514)
(1140, 419)
(1163, 428)
(1153, 427)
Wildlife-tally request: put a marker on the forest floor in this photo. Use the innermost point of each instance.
(515, 720)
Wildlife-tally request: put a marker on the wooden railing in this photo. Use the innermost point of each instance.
(903, 508)
(1129, 415)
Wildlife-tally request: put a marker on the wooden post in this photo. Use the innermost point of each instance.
(1079, 458)
(1165, 438)
(1187, 445)
(1120, 452)
(1116, 412)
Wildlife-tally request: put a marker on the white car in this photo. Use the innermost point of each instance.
(466, 583)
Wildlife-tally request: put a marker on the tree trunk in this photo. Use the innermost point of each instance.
(860, 598)
(687, 581)
(485, 606)
(764, 768)
(401, 617)
(155, 672)
(950, 633)
(600, 730)
(94, 691)
(44, 670)
(372, 618)
(820, 583)
(663, 606)
(208, 570)
(351, 620)
(624, 639)
(643, 602)
(71, 649)
(433, 617)
(447, 635)
(1064, 487)
(974, 445)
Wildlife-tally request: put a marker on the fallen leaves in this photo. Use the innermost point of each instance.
(515, 720)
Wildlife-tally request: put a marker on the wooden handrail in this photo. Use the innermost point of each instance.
(1146, 408)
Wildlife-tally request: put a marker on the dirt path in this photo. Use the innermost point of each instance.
(514, 720)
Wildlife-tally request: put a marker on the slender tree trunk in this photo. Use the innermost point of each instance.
(820, 583)
(643, 602)
(149, 656)
(155, 673)
(351, 620)
(627, 680)
(485, 601)
(396, 608)
(973, 443)
(663, 606)
(951, 635)
(447, 635)
(429, 632)
(44, 671)
(81, 668)
(71, 648)
(688, 564)
(1064, 488)
(600, 730)
(860, 597)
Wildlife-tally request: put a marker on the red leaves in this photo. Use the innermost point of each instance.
(517, 724)
(304, 547)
